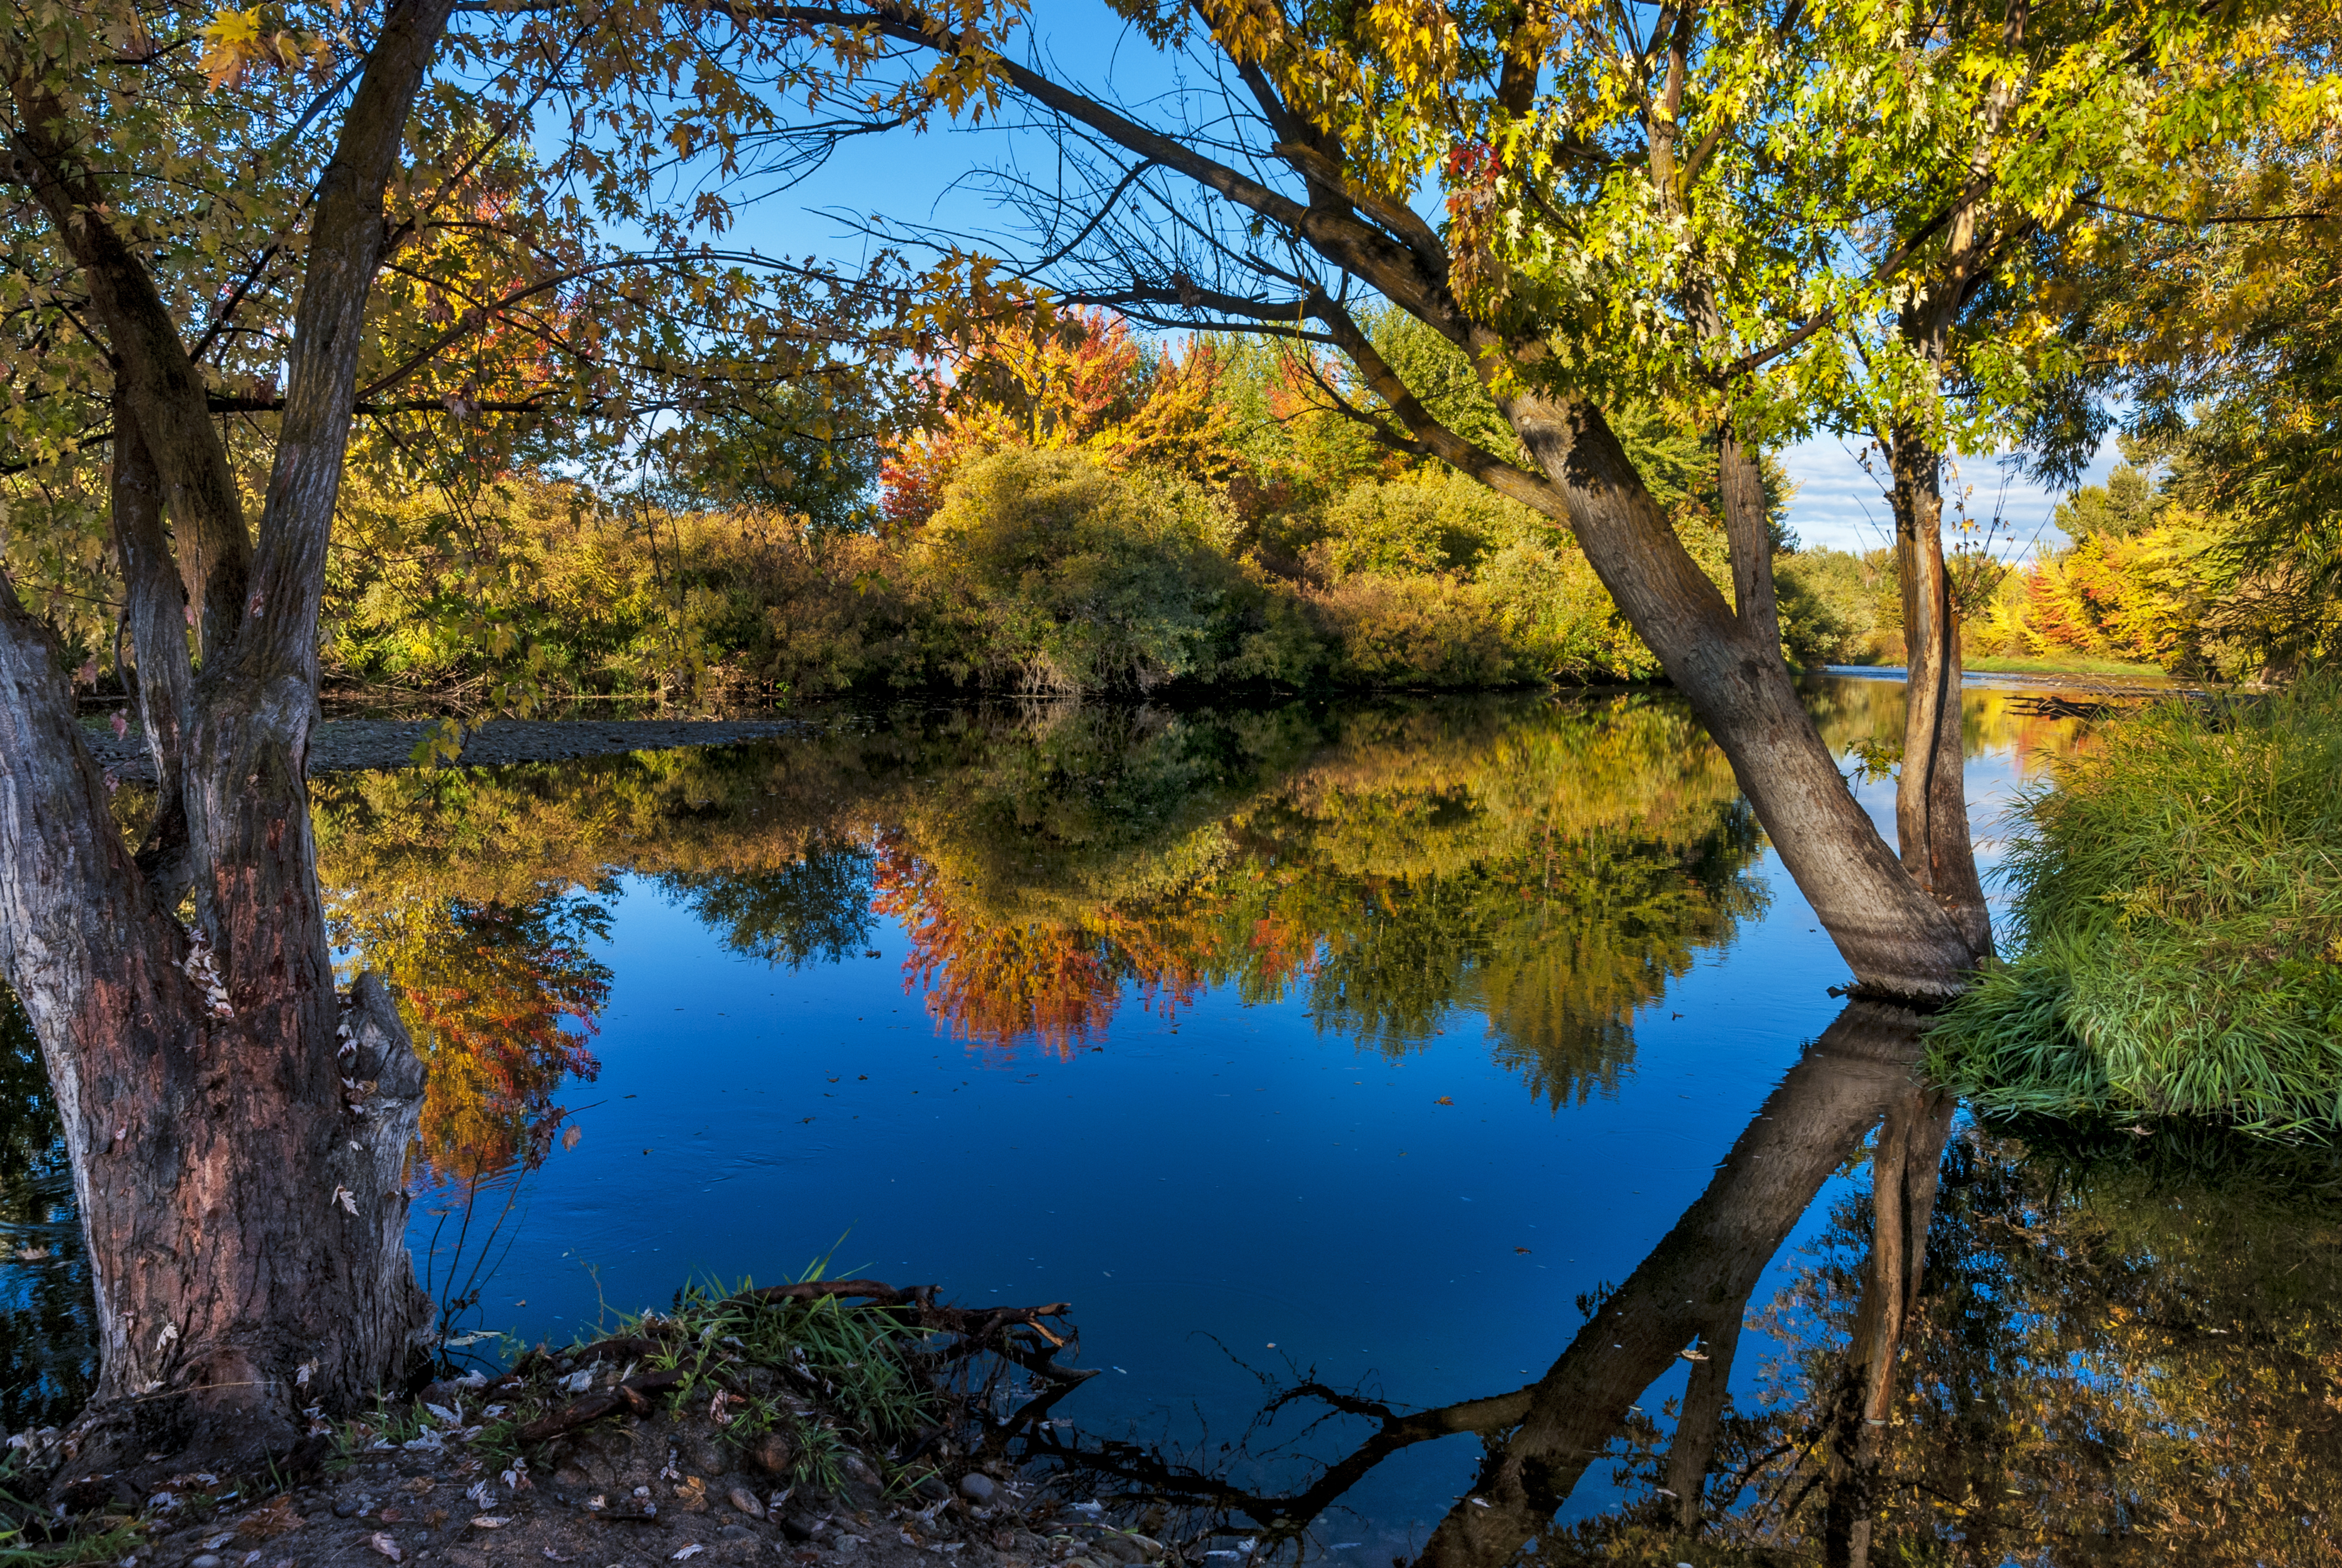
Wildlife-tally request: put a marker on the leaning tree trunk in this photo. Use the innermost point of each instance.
(1895, 936)
(1931, 808)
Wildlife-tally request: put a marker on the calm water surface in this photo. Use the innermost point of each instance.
(1338, 1063)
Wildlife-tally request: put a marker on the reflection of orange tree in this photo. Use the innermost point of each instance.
(1058, 982)
(1552, 868)
(501, 1000)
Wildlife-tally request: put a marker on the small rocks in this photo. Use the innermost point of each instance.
(773, 1453)
(744, 1499)
(204, 1559)
(979, 1488)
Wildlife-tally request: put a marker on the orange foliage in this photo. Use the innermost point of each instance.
(1058, 983)
(501, 1003)
(1076, 382)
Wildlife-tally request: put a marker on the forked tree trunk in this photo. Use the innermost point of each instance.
(238, 1132)
(1931, 807)
(247, 1224)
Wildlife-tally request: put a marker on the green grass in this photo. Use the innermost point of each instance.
(1994, 665)
(2179, 894)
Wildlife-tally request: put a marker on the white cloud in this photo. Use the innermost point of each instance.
(1839, 505)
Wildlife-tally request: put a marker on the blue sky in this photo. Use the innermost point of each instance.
(1839, 505)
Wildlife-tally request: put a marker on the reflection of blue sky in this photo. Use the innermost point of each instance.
(1234, 1187)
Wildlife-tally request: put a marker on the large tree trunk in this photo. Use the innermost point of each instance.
(1931, 807)
(246, 1226)
(238, 1132)
(1894, 935)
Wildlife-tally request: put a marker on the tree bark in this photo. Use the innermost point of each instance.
(1931, 808)
(1748, 534)
(155, 612)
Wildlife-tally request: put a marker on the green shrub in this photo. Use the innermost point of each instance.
(1053, 573)
(2179, 894)
(1424, 523)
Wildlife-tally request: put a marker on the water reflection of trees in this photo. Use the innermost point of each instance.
(2003, 1349)
(1548, 866)
(501, 1000)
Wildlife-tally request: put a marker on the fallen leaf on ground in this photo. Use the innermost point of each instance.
(275, 1518)
(489, 1521)
(381, 1542)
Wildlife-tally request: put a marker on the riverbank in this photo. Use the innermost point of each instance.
(2178, 897)
(837, 1423)
(362, 745)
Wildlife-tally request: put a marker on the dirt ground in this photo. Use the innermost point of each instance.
(628, 1492)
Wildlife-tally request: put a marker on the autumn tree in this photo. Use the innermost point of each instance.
(1639, 202)
(1073, 381)
(244, 248)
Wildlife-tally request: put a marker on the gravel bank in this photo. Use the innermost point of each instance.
(358, 745)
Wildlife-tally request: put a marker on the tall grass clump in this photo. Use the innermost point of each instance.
(2178, 900)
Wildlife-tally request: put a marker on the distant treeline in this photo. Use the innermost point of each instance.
(1081, 512)
(2159, 568)
(1074, 510)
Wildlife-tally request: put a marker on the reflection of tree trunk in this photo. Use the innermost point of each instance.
(1693, 1445)
(1903, 1198)
(1711, 1259)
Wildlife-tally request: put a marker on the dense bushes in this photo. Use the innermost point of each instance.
(2179, 897)
(1085, 512)
(1042, 571)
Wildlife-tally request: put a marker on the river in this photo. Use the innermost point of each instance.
(1339, 1062)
